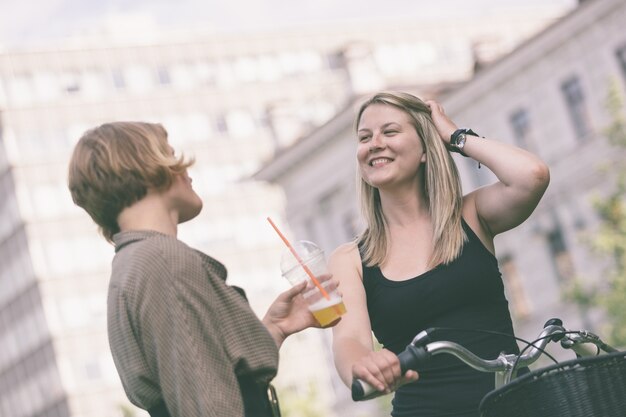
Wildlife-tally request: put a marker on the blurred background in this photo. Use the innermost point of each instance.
(263, 94)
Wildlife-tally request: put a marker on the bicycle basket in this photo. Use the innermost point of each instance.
(587, 387)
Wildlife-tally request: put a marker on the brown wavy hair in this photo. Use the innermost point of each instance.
(114, 165)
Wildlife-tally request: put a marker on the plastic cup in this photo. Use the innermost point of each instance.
(325, 306)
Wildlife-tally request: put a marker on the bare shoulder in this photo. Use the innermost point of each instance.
(471, 217)
(346, 249)
(346, 260)
(347, 252)
(469, 212)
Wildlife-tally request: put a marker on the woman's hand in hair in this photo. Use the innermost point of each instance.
(445, 127)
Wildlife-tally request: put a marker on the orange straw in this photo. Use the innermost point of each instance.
(306, 268)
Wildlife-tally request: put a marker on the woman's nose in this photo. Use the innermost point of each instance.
(376, 143)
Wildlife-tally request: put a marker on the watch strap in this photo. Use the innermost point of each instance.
(457, 140)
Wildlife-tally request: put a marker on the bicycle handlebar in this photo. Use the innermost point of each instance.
(420, 350)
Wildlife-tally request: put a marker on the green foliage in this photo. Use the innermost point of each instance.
(610, 240)
(294, 404)
(127, 410)
(616, 130)
(383, 403)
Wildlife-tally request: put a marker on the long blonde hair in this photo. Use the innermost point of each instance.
(442, 188)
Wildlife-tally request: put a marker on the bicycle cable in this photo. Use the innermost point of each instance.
(539, 339)
(494, 332)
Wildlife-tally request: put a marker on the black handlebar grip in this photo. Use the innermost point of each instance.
(358, 390)
(413, 357)
(553, 322)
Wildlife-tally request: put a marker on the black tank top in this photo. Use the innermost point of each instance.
(467, 293)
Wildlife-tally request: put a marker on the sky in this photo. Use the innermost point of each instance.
(41, 22)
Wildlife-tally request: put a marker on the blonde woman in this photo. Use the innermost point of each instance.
(426, 258)
(185, 343)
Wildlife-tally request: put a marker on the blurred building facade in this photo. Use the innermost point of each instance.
(549, 96)
(232, 102)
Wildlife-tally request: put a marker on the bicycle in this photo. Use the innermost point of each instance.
(590, 385)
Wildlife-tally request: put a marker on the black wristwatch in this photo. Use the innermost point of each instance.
(458, 138)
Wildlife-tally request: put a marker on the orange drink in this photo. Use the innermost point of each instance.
(328, 311)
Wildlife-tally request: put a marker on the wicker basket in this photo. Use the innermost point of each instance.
(587, 387)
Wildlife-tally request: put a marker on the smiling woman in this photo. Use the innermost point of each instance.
(426, 257)
(420, 163)
(385, 137)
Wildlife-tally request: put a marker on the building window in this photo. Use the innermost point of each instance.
(118, 79)
(621, 58)
(46, 86)
(224, 74)
(94, 83)
(520, 307)
(139, 78)
(197, 126)
(336, 60)
(269, 68)
(163, 76)
(560, 255)
(245, 69)
(70, 82)
(183, 76)
(520, 123)
(289, 63)
(20, 89)
(577, 106)
(205, 72)
(220, 124)
(240, 123)
(93, 371)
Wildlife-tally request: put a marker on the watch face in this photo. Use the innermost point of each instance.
(460, 140)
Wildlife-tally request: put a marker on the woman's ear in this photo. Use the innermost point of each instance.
(423, 158)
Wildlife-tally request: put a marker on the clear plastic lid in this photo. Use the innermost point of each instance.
(304, 248)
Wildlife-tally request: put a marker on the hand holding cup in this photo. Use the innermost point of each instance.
(320, 293)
